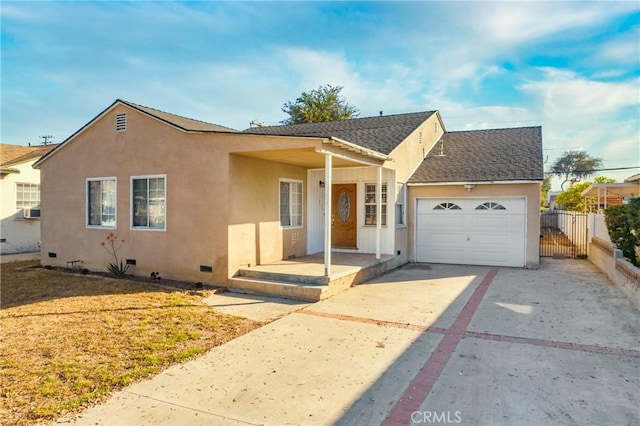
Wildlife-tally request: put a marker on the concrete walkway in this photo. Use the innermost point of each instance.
(19, 257)
(423, 344)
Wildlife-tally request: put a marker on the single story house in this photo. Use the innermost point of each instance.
(20, 194)
(599, 196)
(199, 202)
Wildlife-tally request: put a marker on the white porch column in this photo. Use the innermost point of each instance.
(379, 210)
(327, 214)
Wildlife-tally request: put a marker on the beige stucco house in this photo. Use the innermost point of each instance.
(199, 202)
(20, 195)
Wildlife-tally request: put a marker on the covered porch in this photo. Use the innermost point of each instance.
(305, 278)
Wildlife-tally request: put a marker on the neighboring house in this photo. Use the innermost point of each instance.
(198, 201)
(20, 194)
(599, 196)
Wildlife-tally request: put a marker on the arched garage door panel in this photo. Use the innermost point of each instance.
(471, 231)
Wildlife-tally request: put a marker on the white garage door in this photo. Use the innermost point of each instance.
(471, 231)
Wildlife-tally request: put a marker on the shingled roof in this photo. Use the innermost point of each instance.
(184, 123)
(381, 133)
(483, 156)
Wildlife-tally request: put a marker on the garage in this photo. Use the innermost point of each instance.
(471, 231)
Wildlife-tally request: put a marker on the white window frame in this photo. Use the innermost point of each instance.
(132, 203)
(292, 201)
(367, 202)
(401, 201)
(88, 206)
(20, 209)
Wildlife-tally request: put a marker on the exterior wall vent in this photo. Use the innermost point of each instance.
(206, 268)
(121, 122)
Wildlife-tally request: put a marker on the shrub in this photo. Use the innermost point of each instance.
(623, 224)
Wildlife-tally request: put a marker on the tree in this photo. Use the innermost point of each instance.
(322, 104)
(544, 190)
(572, 199)
(574, 166)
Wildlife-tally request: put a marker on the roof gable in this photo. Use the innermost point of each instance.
(382, 134)
(183, 123)
(484, 156)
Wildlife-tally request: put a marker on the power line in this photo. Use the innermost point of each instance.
(595, 170)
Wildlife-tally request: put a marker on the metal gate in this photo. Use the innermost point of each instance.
(563, 234)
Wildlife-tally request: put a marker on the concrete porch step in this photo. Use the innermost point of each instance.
(297, 279)
(289, 290)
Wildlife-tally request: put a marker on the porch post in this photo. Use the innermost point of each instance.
(327, 214)
(379, 209)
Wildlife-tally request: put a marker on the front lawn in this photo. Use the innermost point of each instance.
(68, 341)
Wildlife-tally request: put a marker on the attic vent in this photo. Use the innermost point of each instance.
(420, 138)
(121, 122)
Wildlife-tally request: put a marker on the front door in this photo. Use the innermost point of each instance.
(344, 216)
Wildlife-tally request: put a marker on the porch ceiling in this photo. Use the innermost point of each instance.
(305, 157)
(612, 189)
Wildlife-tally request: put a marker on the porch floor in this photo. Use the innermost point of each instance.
(303, 277)
(313, 265)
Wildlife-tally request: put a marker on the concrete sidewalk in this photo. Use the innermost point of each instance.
(19, 257)
(470, 345)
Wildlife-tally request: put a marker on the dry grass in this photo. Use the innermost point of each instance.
(69, 341)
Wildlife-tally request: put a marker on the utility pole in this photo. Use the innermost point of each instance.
(46, 139)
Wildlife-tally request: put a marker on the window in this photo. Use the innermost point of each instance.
(370, 204)
(490, 205)
(101, 202)
(27, 195)
(290, 203)
(447, 206)
(148, 208)
(400, 197)
(121, 122)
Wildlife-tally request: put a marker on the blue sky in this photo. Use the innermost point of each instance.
(571, 67)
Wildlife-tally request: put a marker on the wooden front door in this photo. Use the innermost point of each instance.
(344, 217)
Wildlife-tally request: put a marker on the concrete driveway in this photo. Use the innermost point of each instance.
(423, 344)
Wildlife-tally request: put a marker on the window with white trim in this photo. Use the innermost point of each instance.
(447, 206)
(149, 202)
(401, 189)
(27, 195)
(490, 205)
(101, 202)
(290, 203)
(370, 204)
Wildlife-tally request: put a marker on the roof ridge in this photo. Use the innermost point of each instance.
(350, 119)
(496, 128)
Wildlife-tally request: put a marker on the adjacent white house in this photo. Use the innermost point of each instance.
(20, 195)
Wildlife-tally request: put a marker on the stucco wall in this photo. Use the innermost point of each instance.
(530, 191)
(203, 195)
(255, 234)
(20, 235)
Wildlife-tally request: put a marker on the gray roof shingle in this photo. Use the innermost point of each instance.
(484, 155)
(184, 123)
(381, 134)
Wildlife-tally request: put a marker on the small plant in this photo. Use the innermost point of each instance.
(117, 268)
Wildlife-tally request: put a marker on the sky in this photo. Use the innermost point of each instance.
(572, 67)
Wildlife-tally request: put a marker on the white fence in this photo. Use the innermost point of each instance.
(597, 227)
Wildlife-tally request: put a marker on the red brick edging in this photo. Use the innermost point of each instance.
(421, 385)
